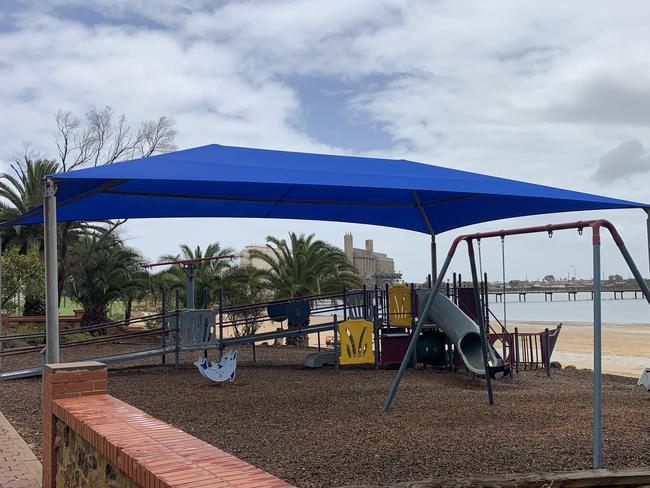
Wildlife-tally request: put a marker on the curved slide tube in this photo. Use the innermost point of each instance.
(461, 330)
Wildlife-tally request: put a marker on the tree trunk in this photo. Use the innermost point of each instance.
(33, 306)
(94, 317)
(301, 340)
(127, 308)
(63, 253)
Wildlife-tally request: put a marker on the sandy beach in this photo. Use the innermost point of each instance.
(626, 347)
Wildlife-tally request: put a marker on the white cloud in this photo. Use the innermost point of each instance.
(145, 73)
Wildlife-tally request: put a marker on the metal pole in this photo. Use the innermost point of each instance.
(51, 273)
(597, 442)
(647, 223)
(189, 288)
(204, 305)
(221, 348)
(177, 338)
(336, 344)
(1, 330)
(416, 333)
(547, 346)
(635, 271)
(375, 328)
(481, 320)
(517, 358)
(434, 256)
(412, 299)
(163, 324)
(427, 223)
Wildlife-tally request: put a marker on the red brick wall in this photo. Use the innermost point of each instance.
(149, 451)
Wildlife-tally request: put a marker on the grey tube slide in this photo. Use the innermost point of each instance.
(460, 329)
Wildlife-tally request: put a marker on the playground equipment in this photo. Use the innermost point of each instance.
(181, 330)
(320, 359)
(463, 332)
(383, 343)
(595, 226)
(189, 268)
(400, 306)
(356, 342)
(220, 371)
(644, 379)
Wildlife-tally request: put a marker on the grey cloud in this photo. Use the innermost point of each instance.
(604, 101)
(626, 159)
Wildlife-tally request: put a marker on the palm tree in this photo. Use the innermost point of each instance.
(21, 190)
(303, 267)
(139, 289)
(211, 275)
(244, 288)
(103, 270)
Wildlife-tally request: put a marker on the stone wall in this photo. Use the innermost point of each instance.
(79, 465)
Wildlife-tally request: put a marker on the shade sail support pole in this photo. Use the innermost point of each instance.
(416, 333)
(434, 257)
(647, 223)
(51, 273)
(1, 329)
(189, 287)
(427, 222)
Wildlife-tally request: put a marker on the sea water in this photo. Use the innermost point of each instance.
(620, 311)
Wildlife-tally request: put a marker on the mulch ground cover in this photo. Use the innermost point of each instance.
(317, 428)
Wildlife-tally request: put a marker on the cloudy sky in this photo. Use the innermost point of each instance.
(554, 93)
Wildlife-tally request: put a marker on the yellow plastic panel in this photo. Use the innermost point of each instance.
(399, 305)
(356, 338)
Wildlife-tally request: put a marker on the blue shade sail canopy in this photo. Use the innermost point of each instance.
(224, 181)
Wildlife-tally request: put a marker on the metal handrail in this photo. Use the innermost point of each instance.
(91, 328)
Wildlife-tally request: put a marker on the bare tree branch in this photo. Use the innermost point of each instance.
(66, 124)
(157, 136)
(123, 142)
(101, 138)
(100, 127)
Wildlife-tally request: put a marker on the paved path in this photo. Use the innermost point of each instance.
(19, 468)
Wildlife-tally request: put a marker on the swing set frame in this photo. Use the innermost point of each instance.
(595, 226)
